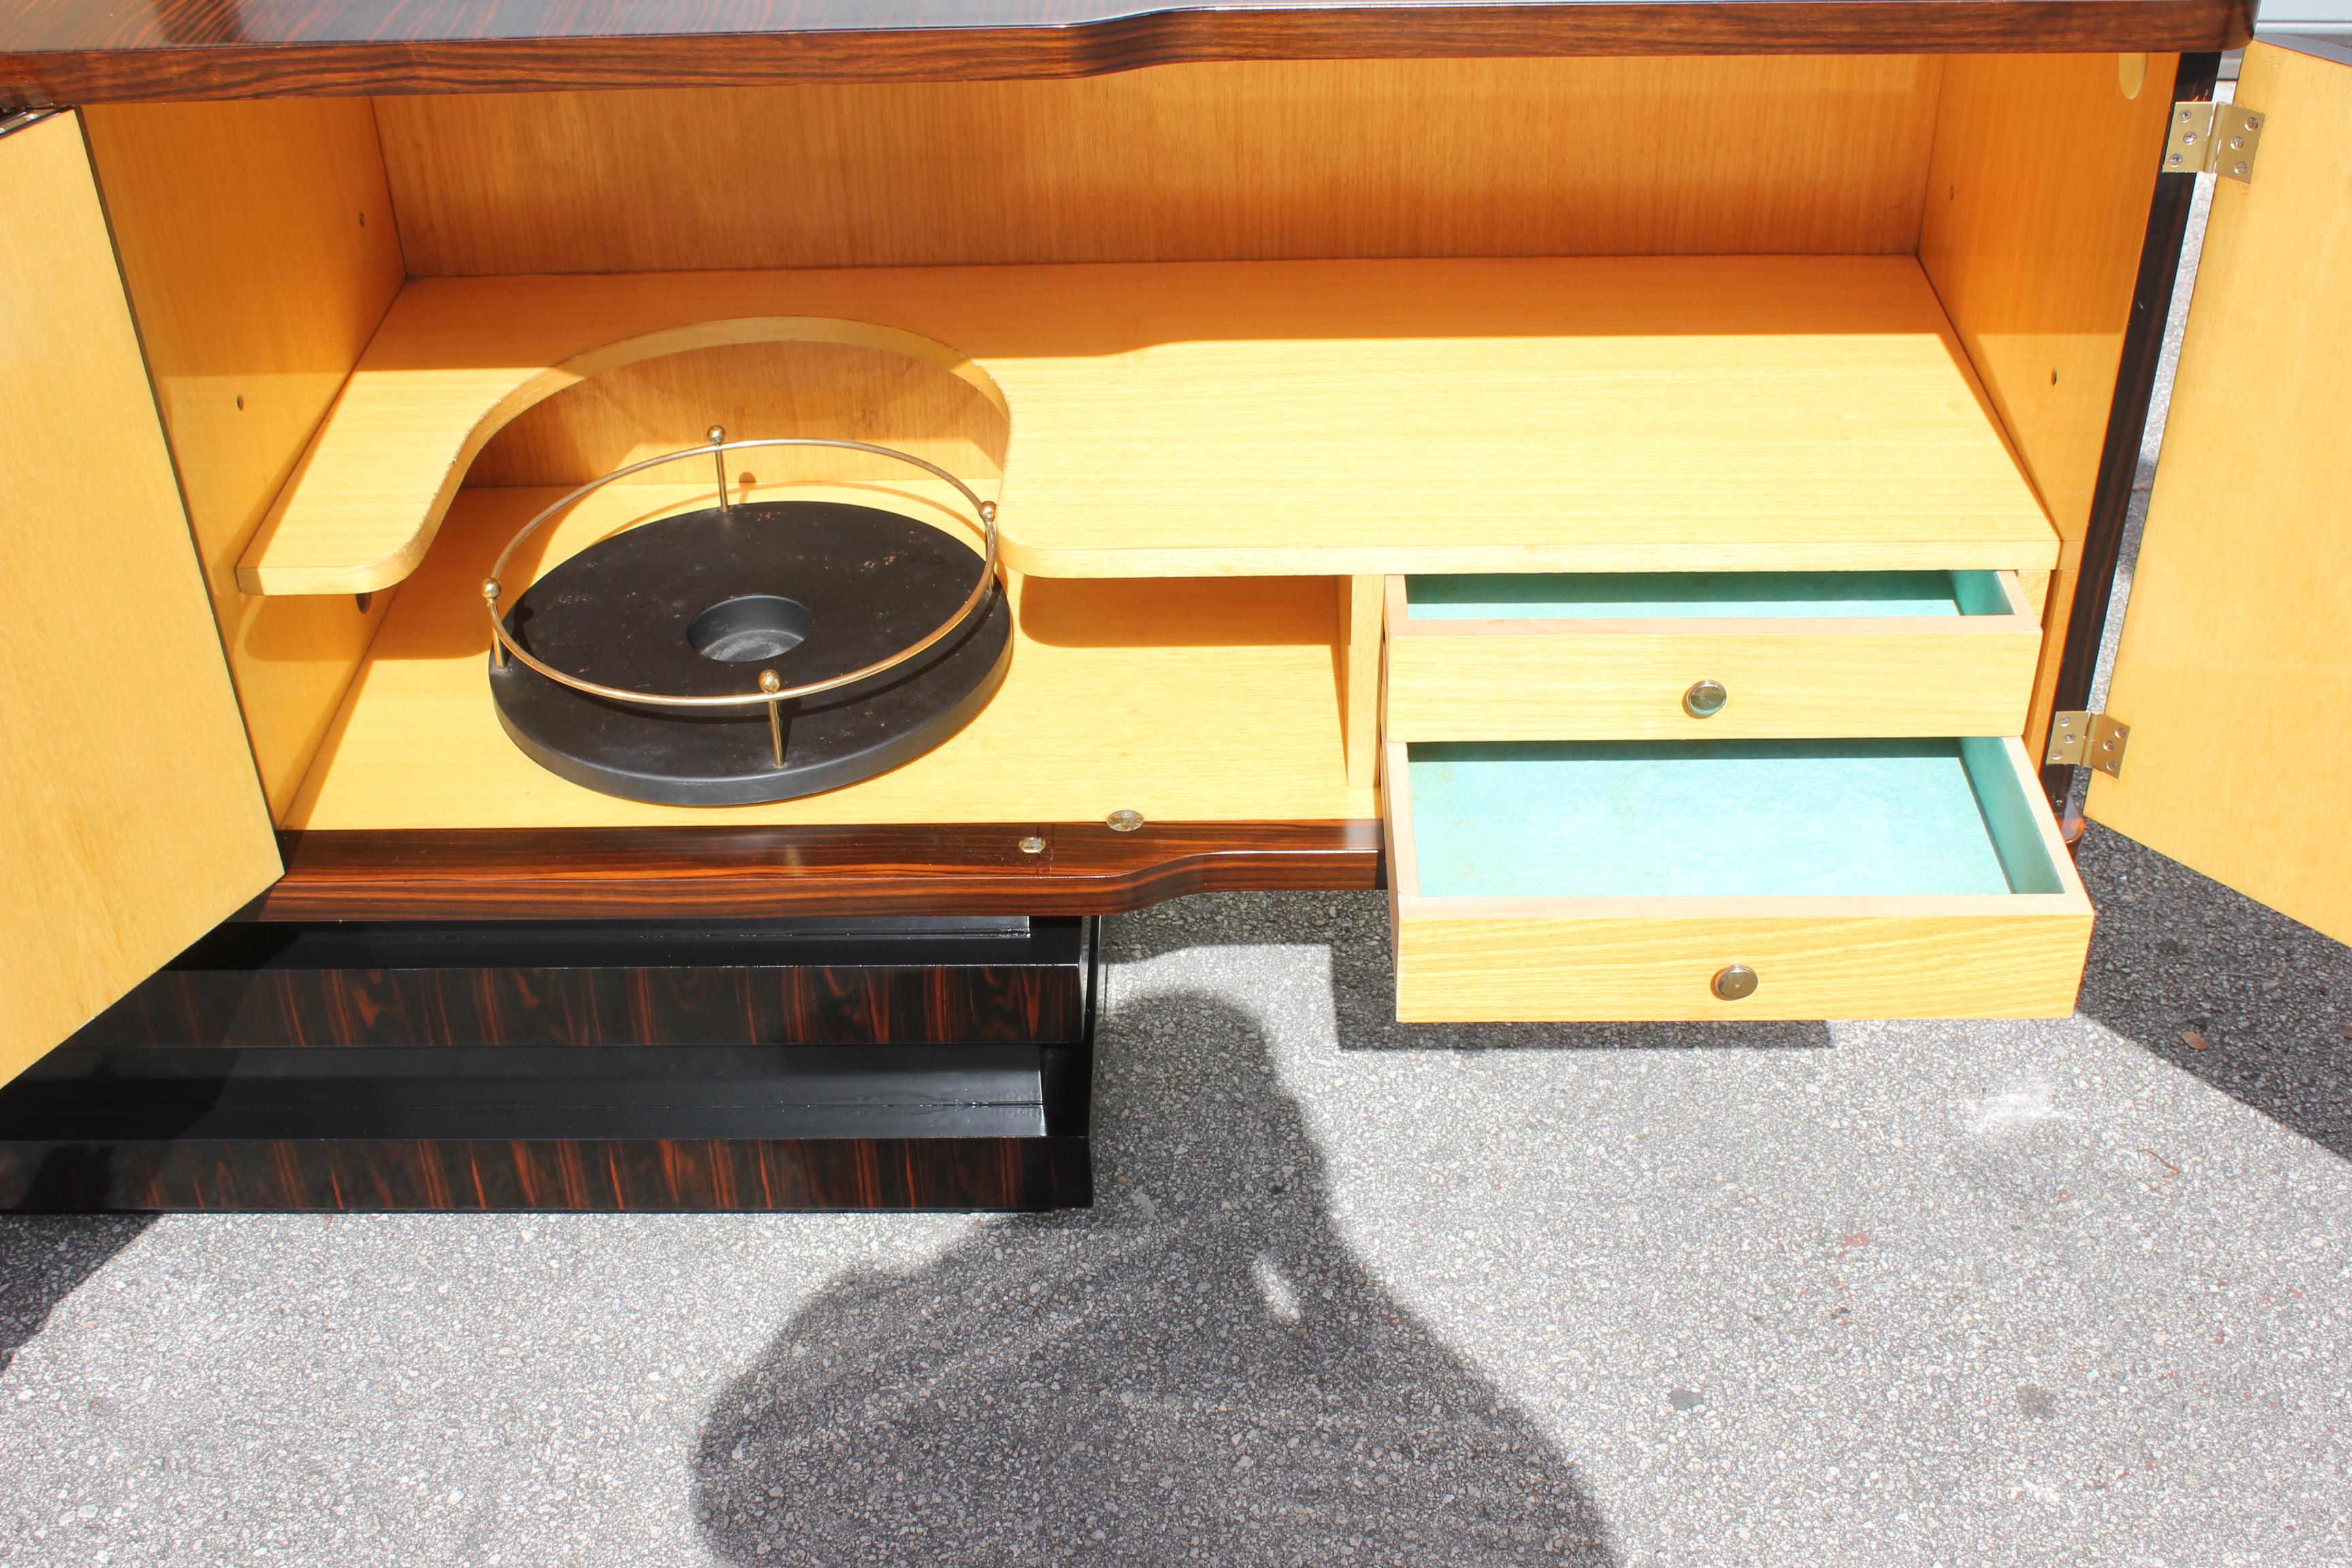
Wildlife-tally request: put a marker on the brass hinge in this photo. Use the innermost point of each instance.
(2088, 741)
(2213, 139)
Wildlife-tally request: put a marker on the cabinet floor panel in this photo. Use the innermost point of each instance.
(1202, 700)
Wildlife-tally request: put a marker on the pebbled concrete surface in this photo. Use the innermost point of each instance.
(2077, 1291)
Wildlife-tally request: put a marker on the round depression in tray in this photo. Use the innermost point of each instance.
(699, 603)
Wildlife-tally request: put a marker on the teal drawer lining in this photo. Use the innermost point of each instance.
(1680, 595)
(1722, 819)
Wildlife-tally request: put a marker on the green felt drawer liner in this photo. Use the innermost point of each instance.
(1693, 595)
(1722, 818)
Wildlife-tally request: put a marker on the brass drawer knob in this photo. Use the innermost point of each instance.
(1705, 701)
(1735, 981)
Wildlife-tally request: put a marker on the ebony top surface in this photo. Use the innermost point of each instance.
(55, 52)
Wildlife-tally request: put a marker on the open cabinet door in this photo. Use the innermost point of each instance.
(2235, 666)
(131, 820)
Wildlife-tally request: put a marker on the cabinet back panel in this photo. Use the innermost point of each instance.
(1224, 161)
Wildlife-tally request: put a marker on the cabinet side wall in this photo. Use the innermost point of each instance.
(259, 250)
(2036, 204)
(132, 821)
(1227, 162)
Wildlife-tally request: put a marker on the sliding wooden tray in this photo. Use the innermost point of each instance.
(1853, 879)
(1556, 656)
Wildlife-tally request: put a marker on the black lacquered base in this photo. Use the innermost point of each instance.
(701, 604)
(869, 1064)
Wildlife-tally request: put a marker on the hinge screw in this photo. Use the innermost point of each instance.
(1033, 844)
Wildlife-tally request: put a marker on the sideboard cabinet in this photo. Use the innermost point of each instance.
(1637, 482)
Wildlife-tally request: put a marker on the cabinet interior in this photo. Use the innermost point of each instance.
(1181, 653)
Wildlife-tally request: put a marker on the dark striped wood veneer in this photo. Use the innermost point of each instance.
(478, 1176)
(813, 1005)
(1084, 868)
(94, 51)
(928, 1062)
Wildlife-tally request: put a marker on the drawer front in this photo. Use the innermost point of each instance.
(1487, 931)
(1606, 678)
(2000, 964)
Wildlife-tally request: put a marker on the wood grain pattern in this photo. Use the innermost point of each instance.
(634, 1175)
(2235, 668)
(1207, 163)
(383, 452)
(837, 391)
(708, 872)
(257, 244)
(1362, 611)
(1527, 960)
(133, 819)
(1186, 700)
(88, 51)
(2038, 197)
(2071, 654)
(672, 1005)
(1611, 679)
(1296, 417)
(2019, 964)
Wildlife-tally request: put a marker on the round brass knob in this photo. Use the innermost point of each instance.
(1706, 699)
(1734, 981)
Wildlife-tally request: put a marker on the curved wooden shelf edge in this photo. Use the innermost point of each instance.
(606, 873)
(438, 428)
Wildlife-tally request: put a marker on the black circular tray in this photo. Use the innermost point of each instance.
(701, 604)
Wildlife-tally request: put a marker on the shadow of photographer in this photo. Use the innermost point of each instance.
(1197, 1370)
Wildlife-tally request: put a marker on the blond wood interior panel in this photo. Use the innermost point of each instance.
(840, 391)
(1357, 654)
(1625, 679)
(1254, 160)
(2015, 965)
(133, 820)
(2235, 668)
(1331, 418)
(1184, 701)
(2038, 194)
(258, 243)
(2057, 614)
(2036, 586)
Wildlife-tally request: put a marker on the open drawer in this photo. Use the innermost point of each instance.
(1727, 880)
(1603, 656)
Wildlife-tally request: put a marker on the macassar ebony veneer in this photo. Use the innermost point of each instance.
(925, 1063)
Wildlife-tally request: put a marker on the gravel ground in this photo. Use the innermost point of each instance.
(1876, 1293)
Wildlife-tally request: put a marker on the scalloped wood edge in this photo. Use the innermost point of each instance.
(367, 433)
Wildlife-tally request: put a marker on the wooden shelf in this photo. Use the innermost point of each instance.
(1191, 701)
(1271, 418)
